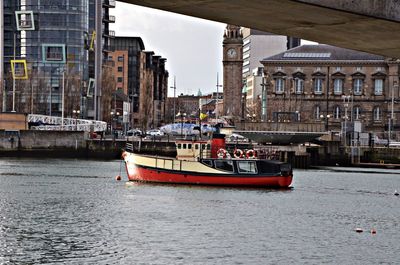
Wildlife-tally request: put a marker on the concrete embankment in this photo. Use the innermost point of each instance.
(67, 144)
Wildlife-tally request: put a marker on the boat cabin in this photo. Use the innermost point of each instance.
(250, 167)
(192, 150)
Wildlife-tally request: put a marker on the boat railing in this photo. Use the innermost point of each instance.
(129, 147)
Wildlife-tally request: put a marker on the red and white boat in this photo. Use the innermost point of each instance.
(208, 163)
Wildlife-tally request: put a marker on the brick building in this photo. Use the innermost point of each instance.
(333, 86)
(153, 88)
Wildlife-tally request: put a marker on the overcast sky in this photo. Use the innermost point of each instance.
(192, 46)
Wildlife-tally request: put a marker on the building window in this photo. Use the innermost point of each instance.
(53, 53)
(357, 86)
(338, 86)
(120, 79)
(357, 113)
(120, 58)
(377, 114)
(359, 68)
(120, 68)
(299, 85)
(336, 113)
(318, 86)
(24, 20)
(279, 85)
(317, 113)
(338, 68)
(19, 69)
(378, 87)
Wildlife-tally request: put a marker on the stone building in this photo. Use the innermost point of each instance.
(337, 87)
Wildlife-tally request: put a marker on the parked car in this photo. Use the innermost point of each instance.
(134, 132)
(234, 137)
(154, 132)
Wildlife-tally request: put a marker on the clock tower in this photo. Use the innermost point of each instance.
(233, 66)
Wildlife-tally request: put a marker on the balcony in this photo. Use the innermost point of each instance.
(109, 18)
(109, 33)
(109, 3)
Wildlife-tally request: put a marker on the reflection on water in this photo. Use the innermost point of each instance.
(74, 212)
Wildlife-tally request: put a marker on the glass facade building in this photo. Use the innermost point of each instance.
(49, 35)
(54, 37)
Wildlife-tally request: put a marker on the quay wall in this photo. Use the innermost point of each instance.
(67, 144)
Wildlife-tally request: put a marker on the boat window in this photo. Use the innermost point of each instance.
(247, 167)
(179, 146)
(184, 146)
(226, 165)
(208, 162)
(196, 146)
(189, 146)
(208, 146)
(203, 146)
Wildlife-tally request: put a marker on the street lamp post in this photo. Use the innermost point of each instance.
(346, 102)
(217, 100)
(391, 118)
(174, 87)
(326, 120)
(114, 118)
(76, 114)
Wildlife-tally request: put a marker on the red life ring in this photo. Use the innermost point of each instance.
(221, 153)
(238, 153)
(251, 154)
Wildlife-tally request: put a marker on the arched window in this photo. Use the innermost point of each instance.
(378, 87)
(377, 114)
(338, 86)
(317, 113)
(299, 85)
(357, 86)
(356, 113)
(336, 113)
(318, 86)
(279, 85)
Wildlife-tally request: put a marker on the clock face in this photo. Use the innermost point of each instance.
(231, 53)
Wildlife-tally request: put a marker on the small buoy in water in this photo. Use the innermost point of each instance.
(118, 177)
(396, 193)
(359, 230)
(373, 231)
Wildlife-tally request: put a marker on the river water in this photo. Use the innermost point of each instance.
(55, 211)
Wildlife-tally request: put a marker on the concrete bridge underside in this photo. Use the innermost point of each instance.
(366, 25)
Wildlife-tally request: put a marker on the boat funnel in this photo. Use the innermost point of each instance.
(217, 142)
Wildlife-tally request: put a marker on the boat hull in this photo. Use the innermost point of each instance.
(138, 170)
(155, 175)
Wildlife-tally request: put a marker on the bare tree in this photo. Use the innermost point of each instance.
(146, 101)
(108, 87)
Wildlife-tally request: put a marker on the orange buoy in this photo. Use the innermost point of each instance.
(373, 231)
(118, 177)
(359, 230)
